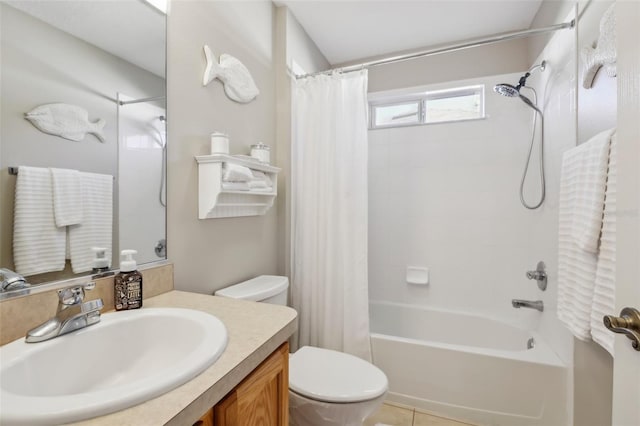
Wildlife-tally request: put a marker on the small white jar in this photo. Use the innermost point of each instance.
(219, 143)
(262, 152)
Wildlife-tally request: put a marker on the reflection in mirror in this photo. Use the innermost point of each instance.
(107, 58)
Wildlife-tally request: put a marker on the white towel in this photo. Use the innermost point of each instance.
(258, 184)
(235, 186)
(236, 173)
(96, 227)
(258, 175)
(67, 196)
(577, 261)
(604, 302)
(590, 182)
(38, 245)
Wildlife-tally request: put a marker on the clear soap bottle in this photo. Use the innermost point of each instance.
(128, 283)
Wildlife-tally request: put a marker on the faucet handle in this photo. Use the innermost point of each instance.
(74, 295)
(539, 275)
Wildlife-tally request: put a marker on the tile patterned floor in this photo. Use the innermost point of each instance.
(391, 414)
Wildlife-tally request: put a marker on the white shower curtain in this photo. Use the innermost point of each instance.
(329, 212)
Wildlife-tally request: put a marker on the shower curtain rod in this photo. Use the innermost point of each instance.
(137, 101)
(449, 48)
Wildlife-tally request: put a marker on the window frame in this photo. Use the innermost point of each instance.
(423, 98)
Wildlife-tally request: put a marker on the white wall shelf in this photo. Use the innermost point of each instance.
(216, 202)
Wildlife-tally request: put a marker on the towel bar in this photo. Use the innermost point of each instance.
(13, 170)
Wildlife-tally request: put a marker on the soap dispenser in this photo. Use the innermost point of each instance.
(128, 283)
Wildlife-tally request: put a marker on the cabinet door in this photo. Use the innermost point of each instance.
(262, 399)
(206, 420)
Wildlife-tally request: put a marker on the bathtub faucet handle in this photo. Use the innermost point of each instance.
(539, 275)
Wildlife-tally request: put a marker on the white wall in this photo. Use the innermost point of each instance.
(301, 49)
(213, 253)
(492, 59)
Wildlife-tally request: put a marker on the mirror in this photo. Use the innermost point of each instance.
(106, 58)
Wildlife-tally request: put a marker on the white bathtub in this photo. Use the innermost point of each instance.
(468, 367)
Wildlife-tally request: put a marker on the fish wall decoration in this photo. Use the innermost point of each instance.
(236, 78)
(67, 121)
(603, 53)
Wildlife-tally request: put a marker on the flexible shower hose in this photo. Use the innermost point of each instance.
(526, 166)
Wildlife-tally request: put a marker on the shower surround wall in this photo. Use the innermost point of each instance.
(445, 197)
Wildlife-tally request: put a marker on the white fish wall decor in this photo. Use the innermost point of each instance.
(603, 53)
(238, 83)
(64, 120)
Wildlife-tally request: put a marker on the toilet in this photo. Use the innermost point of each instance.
(326, 387)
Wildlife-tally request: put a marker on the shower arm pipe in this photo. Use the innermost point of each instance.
(448, 48)
(137, 101)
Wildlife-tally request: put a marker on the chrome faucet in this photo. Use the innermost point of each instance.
(537, 305)
(72, 314)
(12, 280)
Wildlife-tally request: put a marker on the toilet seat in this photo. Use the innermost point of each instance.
(332, 376)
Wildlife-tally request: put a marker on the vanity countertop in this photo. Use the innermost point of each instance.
(255, 331)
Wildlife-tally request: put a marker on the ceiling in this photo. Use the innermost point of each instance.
(350, 30)
(130, 29)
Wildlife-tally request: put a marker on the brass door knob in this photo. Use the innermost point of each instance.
(628, 323)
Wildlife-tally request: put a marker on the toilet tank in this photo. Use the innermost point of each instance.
(265, 288)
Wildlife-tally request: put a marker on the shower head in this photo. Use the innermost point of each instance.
(507, 90)
(512, 91)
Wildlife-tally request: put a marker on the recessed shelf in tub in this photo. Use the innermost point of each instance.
(216, 202)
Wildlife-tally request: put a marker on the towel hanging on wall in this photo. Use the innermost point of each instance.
(582, 187)
(605, 286)
(38, 244)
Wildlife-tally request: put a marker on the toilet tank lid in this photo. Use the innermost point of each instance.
(256, 289)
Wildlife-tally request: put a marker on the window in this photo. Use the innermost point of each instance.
(398, 114)
(459, 104)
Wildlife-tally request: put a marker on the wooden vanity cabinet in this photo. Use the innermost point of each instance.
(206, 420)
(262, 398)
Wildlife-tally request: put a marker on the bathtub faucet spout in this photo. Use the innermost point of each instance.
(537, 305)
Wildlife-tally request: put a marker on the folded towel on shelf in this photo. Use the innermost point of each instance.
(261, 176)
(254, 184)
(604, 302)
(591, 158)
(236, 186)
(67, 196)
(236, 173)
(266, 189)
(582, 170)
(38, 244)
(96, 227)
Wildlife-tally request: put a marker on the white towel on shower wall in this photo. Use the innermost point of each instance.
(67, 196)
(577, 262)
(96, 227)
(38, 244)
(604, 302)
(591, 160)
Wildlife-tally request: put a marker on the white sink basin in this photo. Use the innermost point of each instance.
(125, 359)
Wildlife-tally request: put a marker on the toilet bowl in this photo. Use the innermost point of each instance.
(326, 387)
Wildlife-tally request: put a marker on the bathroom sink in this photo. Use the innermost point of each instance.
(127, 358)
